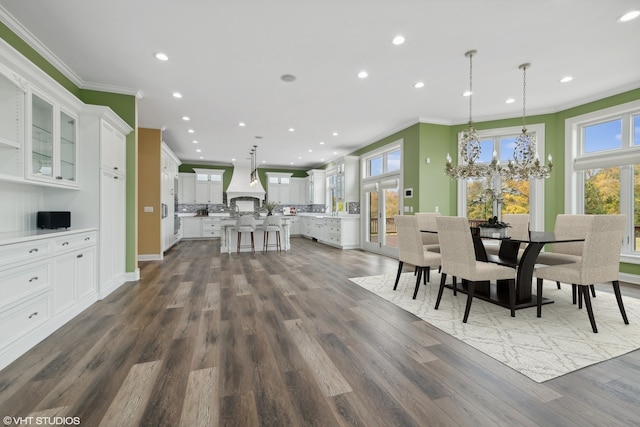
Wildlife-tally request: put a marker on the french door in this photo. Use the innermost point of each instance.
(381, 204)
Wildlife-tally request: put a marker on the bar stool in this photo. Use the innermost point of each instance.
(246, 224)
(272, 223)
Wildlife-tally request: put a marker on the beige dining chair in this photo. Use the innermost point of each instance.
(411, 250)
(518, 229)
(567, 226)
(459, 260)
(427, 221)
(599, 263)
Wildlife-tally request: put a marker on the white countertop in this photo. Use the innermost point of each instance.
(11, 237)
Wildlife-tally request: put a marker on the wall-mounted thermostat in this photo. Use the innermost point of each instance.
(408, 193)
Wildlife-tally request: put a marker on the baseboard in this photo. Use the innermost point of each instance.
(630, 278)
(150, 257)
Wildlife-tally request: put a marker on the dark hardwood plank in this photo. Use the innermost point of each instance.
(286, 339)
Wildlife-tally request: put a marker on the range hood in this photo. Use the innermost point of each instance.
(240, 185)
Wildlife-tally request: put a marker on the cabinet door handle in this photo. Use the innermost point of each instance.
(35, 313)
(58, 177)
(115, 177)
(115, 168)
(65, 244)
(79, 256)
(34, 250)
(33, 279)
(86, 239)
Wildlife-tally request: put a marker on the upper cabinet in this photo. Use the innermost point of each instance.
(13, 90)
(317, 186)
(278, 187)
(112, 149)
(208, 186)
(52, 141)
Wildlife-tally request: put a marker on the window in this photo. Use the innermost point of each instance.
(603, 161)
(384, 163)
(518, 197)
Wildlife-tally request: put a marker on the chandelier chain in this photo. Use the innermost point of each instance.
(524, 96)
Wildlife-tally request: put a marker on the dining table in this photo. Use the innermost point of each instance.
(509, 255)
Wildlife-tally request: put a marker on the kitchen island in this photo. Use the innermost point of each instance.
(229, 236)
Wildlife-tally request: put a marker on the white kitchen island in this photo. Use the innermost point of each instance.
(229, 236)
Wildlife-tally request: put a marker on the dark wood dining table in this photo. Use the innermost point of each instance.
(508, 256)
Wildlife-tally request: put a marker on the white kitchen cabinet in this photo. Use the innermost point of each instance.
(208, 186)
(112, 149)
(342, 232)
(112, 230)
(13, 92)
(317, 193)
(52, 151)
(279, 187)
(45, 281)
(295, 227)
(187, 191)
(192, 227)
(168, 188)
(298, 191)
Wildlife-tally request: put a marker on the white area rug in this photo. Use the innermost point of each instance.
(559, 342)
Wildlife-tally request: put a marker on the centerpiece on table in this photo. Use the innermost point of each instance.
(493, 228)
(269, 206)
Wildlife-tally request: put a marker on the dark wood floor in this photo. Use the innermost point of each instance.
(285, 339)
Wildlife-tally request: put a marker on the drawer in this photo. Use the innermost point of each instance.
(24, 317)
(73, 241)
(206, 226)
(26, 251)
(211, 233)
(19, 282)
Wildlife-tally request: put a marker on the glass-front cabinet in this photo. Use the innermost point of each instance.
(53, 143)
(13, 89)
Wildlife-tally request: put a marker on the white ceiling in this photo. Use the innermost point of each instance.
(226, 58)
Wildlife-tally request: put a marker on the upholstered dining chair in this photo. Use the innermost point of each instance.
(459, 261)
(427, 221)
(411, 250)
(567, 227)
(518, 229)
(600, 262)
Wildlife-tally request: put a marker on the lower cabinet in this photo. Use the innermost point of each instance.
(342, 232)
(44, 283)
(201, 228)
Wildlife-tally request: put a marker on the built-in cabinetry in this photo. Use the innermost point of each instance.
(316, 186)
(13, 90)
(342, 232)
(279, 187)
(187, 192)
(201, 227)
(298, 191)
(45, 280)
(208, 186)
(168, 187)
(344, 182)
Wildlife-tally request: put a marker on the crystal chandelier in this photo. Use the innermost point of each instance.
(525, 164)
(470, 143)
(253, 179)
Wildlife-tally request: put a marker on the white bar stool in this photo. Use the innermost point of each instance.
(272, 223)
(246, 224)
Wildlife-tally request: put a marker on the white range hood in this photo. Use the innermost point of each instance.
(240, 185)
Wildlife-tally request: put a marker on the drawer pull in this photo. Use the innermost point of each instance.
(65, 244)
(35, 313)
(79, 256)
(58, 177)
(34, 250)
(33, 279)
(86, 239)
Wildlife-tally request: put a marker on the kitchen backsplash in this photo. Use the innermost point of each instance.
(353, 207)
(19, 206)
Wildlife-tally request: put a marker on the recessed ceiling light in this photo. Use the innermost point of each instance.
(185, 118)
(398, 40)
(290, 163)
(289, 78)
(198, 151)
(291, 129)
(510, 101)
(467, 93)
(321, 142)
(310, 150)
(177, 95)
(233, 160)
(264, 161)
(162, 56)
(322, 160)
(335, 134)
(241, 124)
(566, 79)
(418, 85)
(201, 157)
(363, 74)
(629, 16)
(191, 131)
(299, 157)
(335, 152)
(194, 141)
